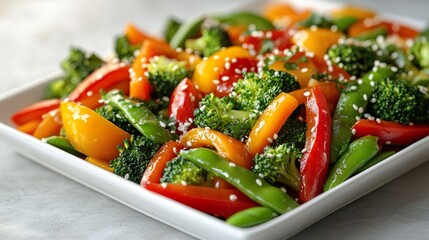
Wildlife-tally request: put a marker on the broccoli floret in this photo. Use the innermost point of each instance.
(182, 171)
(76, 67)
(134, 157)
(124, 50)
(256, 91)
(419, 51)
(279, 165)
(356, 60)
(165, 74)
(397, 100)
(116, 116)
(219, 114)
(171, 28)
(292, 133)
(212, 40)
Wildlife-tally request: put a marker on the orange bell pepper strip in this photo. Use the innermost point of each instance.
(90, 133)
(100, 163)
(135, 36)
(352, 11)
(228, 147)
(34, 111)
(317, 41)
(140, 86)
(206, 74)
(283, 15)
(108, 77)
(29, 127)
(270, 122)
(50, 125)
(402, 31)
(215, 201)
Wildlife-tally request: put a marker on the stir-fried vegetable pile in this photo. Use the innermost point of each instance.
(242, 116)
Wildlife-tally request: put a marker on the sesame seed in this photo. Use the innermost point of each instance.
(378, 120)
(259, 182)
(189, 144)
(357, 118)
(232, 197)
(275, 136)
(365, 97)
(270, 140)
(355, 107)
(127, 176)
(216, 82)
(231, 164)
(306, 93)
(388, 142)
(162, 124)
(353, 131)
(164, 185)
(225, 78)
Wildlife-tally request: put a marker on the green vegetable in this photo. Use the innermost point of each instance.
(245, 19)
(422, 78)
(165, 74)
(343, 23)
(63, 144)
(181, 171)
(419, 51)
(292, 133)
(124, 50)
(117, 117)
(134, 157)
(251, 217)
(350, 108)
(171, 28)
(279, 165)
(372, 34)
(244, 180)
(219, 114)
(375, 160)
(212, 40)
(76, 67)
(189, 29)
(356, 60)
(356, 155)
(316, 20)
(140, 117)
(256, 90)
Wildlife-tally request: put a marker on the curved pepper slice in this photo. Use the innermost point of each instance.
(34, 111)
(206, 73)
(90, 133)
(228, 147)
(105, 78)
(135, 36)
(317, 41)
(50, 125)
(391, 132)
(362, 27)
(314, 163)
(270, 122)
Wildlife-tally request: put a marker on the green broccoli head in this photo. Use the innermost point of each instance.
(256, 91)
(117, 117)
(292, 133)
(76, 67)
(134, 157)
(279, 165)
(419, 51)
(356, 60)
(218, 114)
(397, 100)
(165, 74)
(124, 50)
(182, 171)
(212, 40)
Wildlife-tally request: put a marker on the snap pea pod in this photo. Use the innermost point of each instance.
(357, 154)
(191, 27)
(343, 23)
(251, 217)
(350, 108)
(63, 144)
(372, 34)
(140, 117)
(243, 179)
(376, 159)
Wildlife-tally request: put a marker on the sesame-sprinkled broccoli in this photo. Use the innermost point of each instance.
(397, 100)
(115, 116)
(419, 51)
(134, 157)
(165, 74)
(182, 171)
(256, 90)
(279, 165)
(212, 40)
(76, 67)
(354, 59)
(124, 50)
(219, 114)
(292, 133)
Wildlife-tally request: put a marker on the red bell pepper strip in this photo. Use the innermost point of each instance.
(183, 101)
(215, 201)
(315, 160)
(280, 39)
(391, 132)
(35, 111)
(104, 78)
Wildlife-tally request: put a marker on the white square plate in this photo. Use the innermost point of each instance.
(186, 219)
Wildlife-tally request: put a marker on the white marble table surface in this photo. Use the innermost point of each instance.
(38, 203)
